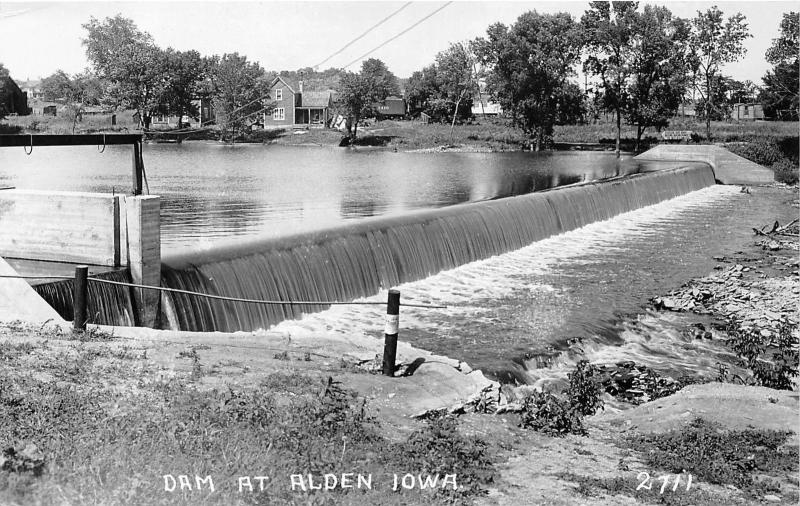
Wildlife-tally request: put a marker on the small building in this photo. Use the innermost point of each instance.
(747, 112)
(15, 101)
(42, 108)
(391, 108)
(482, 106)
(294, 107)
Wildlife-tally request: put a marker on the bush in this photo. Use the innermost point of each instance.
(547, 413)
(761, 151)
(584, 391)
(786, 171)
(751, 348)
(721, 457)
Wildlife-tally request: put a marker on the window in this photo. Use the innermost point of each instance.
(279, 94)
(279, 114)
(747, 110)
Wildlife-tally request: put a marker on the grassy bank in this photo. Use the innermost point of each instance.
(87, 420)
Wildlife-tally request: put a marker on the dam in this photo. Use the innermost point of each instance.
(360, 258)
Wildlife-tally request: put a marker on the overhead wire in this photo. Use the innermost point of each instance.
(396, 36)
(376, 25)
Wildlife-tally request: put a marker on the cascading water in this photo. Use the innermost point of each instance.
(107, 304)
(347, 262)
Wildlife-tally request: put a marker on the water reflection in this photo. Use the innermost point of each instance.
(211, 191)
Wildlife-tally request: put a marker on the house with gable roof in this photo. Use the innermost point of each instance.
(295, 107)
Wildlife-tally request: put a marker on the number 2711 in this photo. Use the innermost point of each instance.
(644, 482)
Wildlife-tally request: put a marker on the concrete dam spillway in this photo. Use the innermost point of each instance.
(352, 261)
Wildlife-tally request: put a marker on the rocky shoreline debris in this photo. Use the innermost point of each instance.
(744, 292)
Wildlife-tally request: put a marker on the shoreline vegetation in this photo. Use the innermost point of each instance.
(772, 144)
(107, 415)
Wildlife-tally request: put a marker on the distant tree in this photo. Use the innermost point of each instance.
(57, 86)
(379, 78)
(420, 89)
(133, 66)
(186, 72)
(457, 81)
(239, 91)
(530, 64)
(782, 83)
(610, 30)
(658, 69)
(713, 42)
(571, 109)
(3, 98)
(355, 100)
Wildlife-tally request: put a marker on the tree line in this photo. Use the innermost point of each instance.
(643, 63)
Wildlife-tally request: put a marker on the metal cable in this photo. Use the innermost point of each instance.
(232, 299)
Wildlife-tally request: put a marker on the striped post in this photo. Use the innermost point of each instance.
(390, 332)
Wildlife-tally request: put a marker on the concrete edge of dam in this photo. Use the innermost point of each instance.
(728, 167)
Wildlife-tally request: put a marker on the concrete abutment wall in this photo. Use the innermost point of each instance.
(86, 228)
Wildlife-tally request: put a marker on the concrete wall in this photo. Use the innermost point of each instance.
(63, 226)
(144, 249)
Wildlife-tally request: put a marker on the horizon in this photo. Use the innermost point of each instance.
(244, 27)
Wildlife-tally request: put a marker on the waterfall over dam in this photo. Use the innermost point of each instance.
(347, 262)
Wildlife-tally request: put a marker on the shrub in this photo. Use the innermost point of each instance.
(761, 151)
(584, 391)
(751, 348)
(547, 413)
(721, 457)
(786, 171)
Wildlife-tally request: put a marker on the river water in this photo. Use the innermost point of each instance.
(212, 192)
(504, 313)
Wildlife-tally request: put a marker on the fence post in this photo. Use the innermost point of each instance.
(390, 332)
(137, 165)
(79, 296)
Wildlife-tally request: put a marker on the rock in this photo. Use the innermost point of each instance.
(774, 246)
(707, 335)
(668, 303)
(772, 498)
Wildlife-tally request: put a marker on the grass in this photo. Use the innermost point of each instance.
(88, 423)
(34, 124)
(748, 459)
(751, 460)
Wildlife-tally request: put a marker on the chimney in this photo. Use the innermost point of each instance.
(301, 86)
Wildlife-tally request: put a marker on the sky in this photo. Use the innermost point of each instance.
(38, 38)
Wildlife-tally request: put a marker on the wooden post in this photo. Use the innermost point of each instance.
(390, 332)
(79, 298)
(137, 168)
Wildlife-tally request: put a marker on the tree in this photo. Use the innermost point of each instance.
(133, 65)
(57, 86)
(713, 42)
(355, 100)
(610, 30)
(359, 93)
(456, 80)
(4, 74)
(658, 69)
(239, 91)
(530, 64)
(781, 84)
(186, 72)
(379, 79)
(420, 89)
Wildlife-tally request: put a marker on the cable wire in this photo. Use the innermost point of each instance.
(396, 36)
(376, 25)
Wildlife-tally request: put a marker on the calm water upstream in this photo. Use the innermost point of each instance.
(211, 191)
